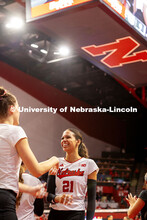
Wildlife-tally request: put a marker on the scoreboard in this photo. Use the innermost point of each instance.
(125, 10)
(36, 9)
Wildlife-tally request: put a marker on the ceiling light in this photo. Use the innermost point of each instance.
(15, 23)
(64, 51)
(34, 45)
(43, 51)
(56, 53)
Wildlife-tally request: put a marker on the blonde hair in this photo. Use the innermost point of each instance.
(21, 171)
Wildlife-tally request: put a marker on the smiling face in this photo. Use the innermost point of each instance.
(69, 142)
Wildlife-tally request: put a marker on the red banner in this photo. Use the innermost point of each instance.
(105, 189)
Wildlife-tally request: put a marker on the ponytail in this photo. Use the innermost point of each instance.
(82, 150)
(21, 171)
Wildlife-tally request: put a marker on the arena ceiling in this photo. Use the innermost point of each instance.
(75, 76)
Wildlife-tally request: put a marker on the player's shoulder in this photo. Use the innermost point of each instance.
(30, 180)
(88, 160)
(91, 165)
(61, 159)
(14, 130)
(143, 194)
(13, 127)
(17, 130)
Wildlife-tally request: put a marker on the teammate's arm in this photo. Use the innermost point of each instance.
(91, 188)
(30, 161)
(37, 191)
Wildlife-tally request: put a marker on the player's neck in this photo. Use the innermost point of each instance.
(72, 157)
(7, 120)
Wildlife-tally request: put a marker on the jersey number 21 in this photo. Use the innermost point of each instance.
(67, 186)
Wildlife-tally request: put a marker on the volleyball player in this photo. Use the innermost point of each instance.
(67, 190)
(26, 204)
(14, 147)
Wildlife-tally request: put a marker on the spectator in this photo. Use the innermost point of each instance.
(110, 217)
(126, 218)
(112, 199)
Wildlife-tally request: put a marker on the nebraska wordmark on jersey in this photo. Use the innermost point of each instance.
(72, 179)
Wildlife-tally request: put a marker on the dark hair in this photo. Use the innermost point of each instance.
(126, 217)
(109, 216)
(82, 150)
(6, 100)
(21, 171)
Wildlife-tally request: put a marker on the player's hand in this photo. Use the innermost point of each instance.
(56, 166)
(131, 199)
(53, 171)
(64, 199)
(56, 162)
(40, 191)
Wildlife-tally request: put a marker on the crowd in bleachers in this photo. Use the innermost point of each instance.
(115, 170)
(113, 198)
(114, 181)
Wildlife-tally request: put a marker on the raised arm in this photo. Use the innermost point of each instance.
(135, 205)
(29, 159)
